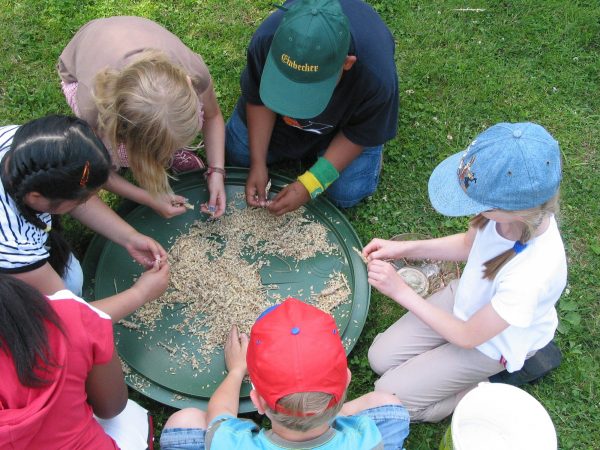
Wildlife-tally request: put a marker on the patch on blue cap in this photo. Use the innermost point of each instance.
(465, 175)
(295, 330)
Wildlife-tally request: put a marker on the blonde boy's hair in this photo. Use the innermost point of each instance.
(150, 107)
(532, 218)
(307, 410)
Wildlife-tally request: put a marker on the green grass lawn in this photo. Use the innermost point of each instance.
(460, 71)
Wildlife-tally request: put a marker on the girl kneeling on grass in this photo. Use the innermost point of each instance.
(501, 311)
(52, 166)
(147, 95)
(59, 367)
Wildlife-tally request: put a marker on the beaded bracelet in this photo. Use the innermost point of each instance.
(210, 170)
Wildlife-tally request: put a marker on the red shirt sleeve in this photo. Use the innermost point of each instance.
(85, 324)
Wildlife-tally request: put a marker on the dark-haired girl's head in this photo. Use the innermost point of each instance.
(58, 157)
(54, 164)
(25, 315)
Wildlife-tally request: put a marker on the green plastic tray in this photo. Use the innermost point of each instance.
(109, 269)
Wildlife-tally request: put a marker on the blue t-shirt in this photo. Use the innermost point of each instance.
(226, 432)
(364, 105)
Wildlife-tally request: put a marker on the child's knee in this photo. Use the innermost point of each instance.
(347, 195)
(187, 418)
(377, 359)
(380, 398)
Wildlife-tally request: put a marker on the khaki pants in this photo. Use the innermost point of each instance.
(427, 373)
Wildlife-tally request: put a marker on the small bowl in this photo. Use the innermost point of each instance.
(437, 273)
(416, 279)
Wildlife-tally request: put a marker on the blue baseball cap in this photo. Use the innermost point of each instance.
(510, 166)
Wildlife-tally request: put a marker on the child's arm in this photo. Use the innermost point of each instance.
(367, 401)
(148, 287)
(481, 327)
(44, 279)
(226, 398)
(449, 248)
(100, 218)
(165, 205)
(106, 389)
(214, 144)
(261, 122)
(340, 153)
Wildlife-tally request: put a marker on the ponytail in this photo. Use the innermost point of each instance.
(25, 315)
(532, 219)
(60, 250)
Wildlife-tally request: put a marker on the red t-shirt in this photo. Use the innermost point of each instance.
(58, 415)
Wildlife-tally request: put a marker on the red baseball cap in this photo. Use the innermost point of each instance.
(295, 347)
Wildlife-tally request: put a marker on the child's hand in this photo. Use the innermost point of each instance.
(235, 351)
(384, 278)
(145, 250)
(168, 206)
(291, 197)
(381, 249)
(154, 281)
(217, 202)
(256, 186)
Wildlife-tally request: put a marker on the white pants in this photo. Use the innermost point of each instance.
(130, 429)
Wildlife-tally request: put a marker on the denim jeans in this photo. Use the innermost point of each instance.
(392, 421)
(73, 276)
(357, 181)
(182, 439)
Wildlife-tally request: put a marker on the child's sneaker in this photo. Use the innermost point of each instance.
(186, 161)
(544, 360)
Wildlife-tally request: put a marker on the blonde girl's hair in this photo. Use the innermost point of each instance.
(532, 218)
(305, 411)
(150, 107)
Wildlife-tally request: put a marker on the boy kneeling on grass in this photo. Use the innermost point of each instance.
(298, 369)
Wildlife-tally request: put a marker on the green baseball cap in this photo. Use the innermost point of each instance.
(305, 59)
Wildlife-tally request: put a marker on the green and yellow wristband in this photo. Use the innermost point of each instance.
(319, 177)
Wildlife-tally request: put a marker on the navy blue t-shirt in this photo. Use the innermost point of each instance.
(364, 105)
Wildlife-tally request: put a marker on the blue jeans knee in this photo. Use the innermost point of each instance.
(358, 180)
(237, 152)
(393, 423)
(73, 276)
(182, 439)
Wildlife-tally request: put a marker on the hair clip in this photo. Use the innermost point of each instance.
(48, 228)
(519, 247)
(85, 175)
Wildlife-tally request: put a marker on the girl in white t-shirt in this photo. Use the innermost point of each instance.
(501, 311)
